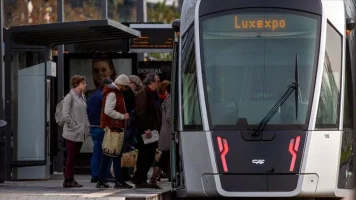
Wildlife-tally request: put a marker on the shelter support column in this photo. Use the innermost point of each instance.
(104, 9)
(58, 160)
(2, 99)
(141, 16)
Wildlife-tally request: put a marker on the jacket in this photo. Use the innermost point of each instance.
(148, 114)
(113, 109)
(75, 117)
(129, 97)
(165, 135)
(95, 102)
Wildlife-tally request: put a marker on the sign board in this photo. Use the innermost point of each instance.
(162, 68)
(157, 38)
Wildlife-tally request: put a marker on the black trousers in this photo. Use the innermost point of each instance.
(164, 160)
(146, 155)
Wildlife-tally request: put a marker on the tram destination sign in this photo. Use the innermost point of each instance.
(154, 38)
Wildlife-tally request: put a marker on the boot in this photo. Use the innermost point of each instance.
(156, 173)
(153, 181)
(153, 184)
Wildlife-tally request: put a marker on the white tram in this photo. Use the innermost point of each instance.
(264, 98)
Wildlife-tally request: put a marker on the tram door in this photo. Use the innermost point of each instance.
(27, 109)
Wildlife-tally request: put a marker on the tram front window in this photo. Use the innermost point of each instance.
(249, 61)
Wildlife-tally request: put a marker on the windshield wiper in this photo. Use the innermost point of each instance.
(293, 86)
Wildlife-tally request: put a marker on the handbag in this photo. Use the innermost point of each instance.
(112, 142)
(158, 155)
(129, 159)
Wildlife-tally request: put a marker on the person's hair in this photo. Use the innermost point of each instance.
(150, 78)
(76, 80)
(136, 80)
(111, 66)
(106, 82)
(165, 85)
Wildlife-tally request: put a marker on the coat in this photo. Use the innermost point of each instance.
(76, 123)
(148, 113)
(164, 142)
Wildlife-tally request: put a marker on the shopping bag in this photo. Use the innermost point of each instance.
(158, 155)
(129, 159)
(113, 142)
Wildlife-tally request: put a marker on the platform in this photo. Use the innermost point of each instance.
(53, 190)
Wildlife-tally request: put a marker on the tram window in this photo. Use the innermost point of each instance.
(191, 108)
(248, 69)
(348, 102)
(329, 101)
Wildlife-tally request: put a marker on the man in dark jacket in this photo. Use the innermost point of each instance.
(148, 116)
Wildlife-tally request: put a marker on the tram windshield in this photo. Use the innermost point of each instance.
(249, 61)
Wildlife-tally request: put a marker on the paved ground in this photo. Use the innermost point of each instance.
(53, 190)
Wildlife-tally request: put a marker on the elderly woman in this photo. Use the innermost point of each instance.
(76, 126)
(135, 83)
(166, 130)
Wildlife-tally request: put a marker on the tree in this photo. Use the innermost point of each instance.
(163, 13)
(87, 11)
(25, 12)
(30, 12)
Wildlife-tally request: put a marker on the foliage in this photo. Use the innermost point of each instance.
(165, 14)
(45, 11)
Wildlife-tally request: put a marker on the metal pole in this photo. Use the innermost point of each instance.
(141, 11)
(141, 16)
(104, 9)
(58, 160)
(2, 66)
(5, 174)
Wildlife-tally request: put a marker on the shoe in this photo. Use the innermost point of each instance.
(65, 183)
(122, 185)
(72, 184)
(153, 184)
(142, 185)
(102, 185)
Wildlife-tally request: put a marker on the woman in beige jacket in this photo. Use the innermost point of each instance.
(76, 126)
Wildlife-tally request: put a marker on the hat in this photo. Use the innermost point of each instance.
(122, 80)
(136, 80)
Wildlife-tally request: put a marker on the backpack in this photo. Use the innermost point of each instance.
(59, 108)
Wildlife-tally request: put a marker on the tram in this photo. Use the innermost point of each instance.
(264, 98)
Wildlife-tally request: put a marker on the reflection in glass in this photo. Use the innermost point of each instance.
(329, 102)
(191, 108)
